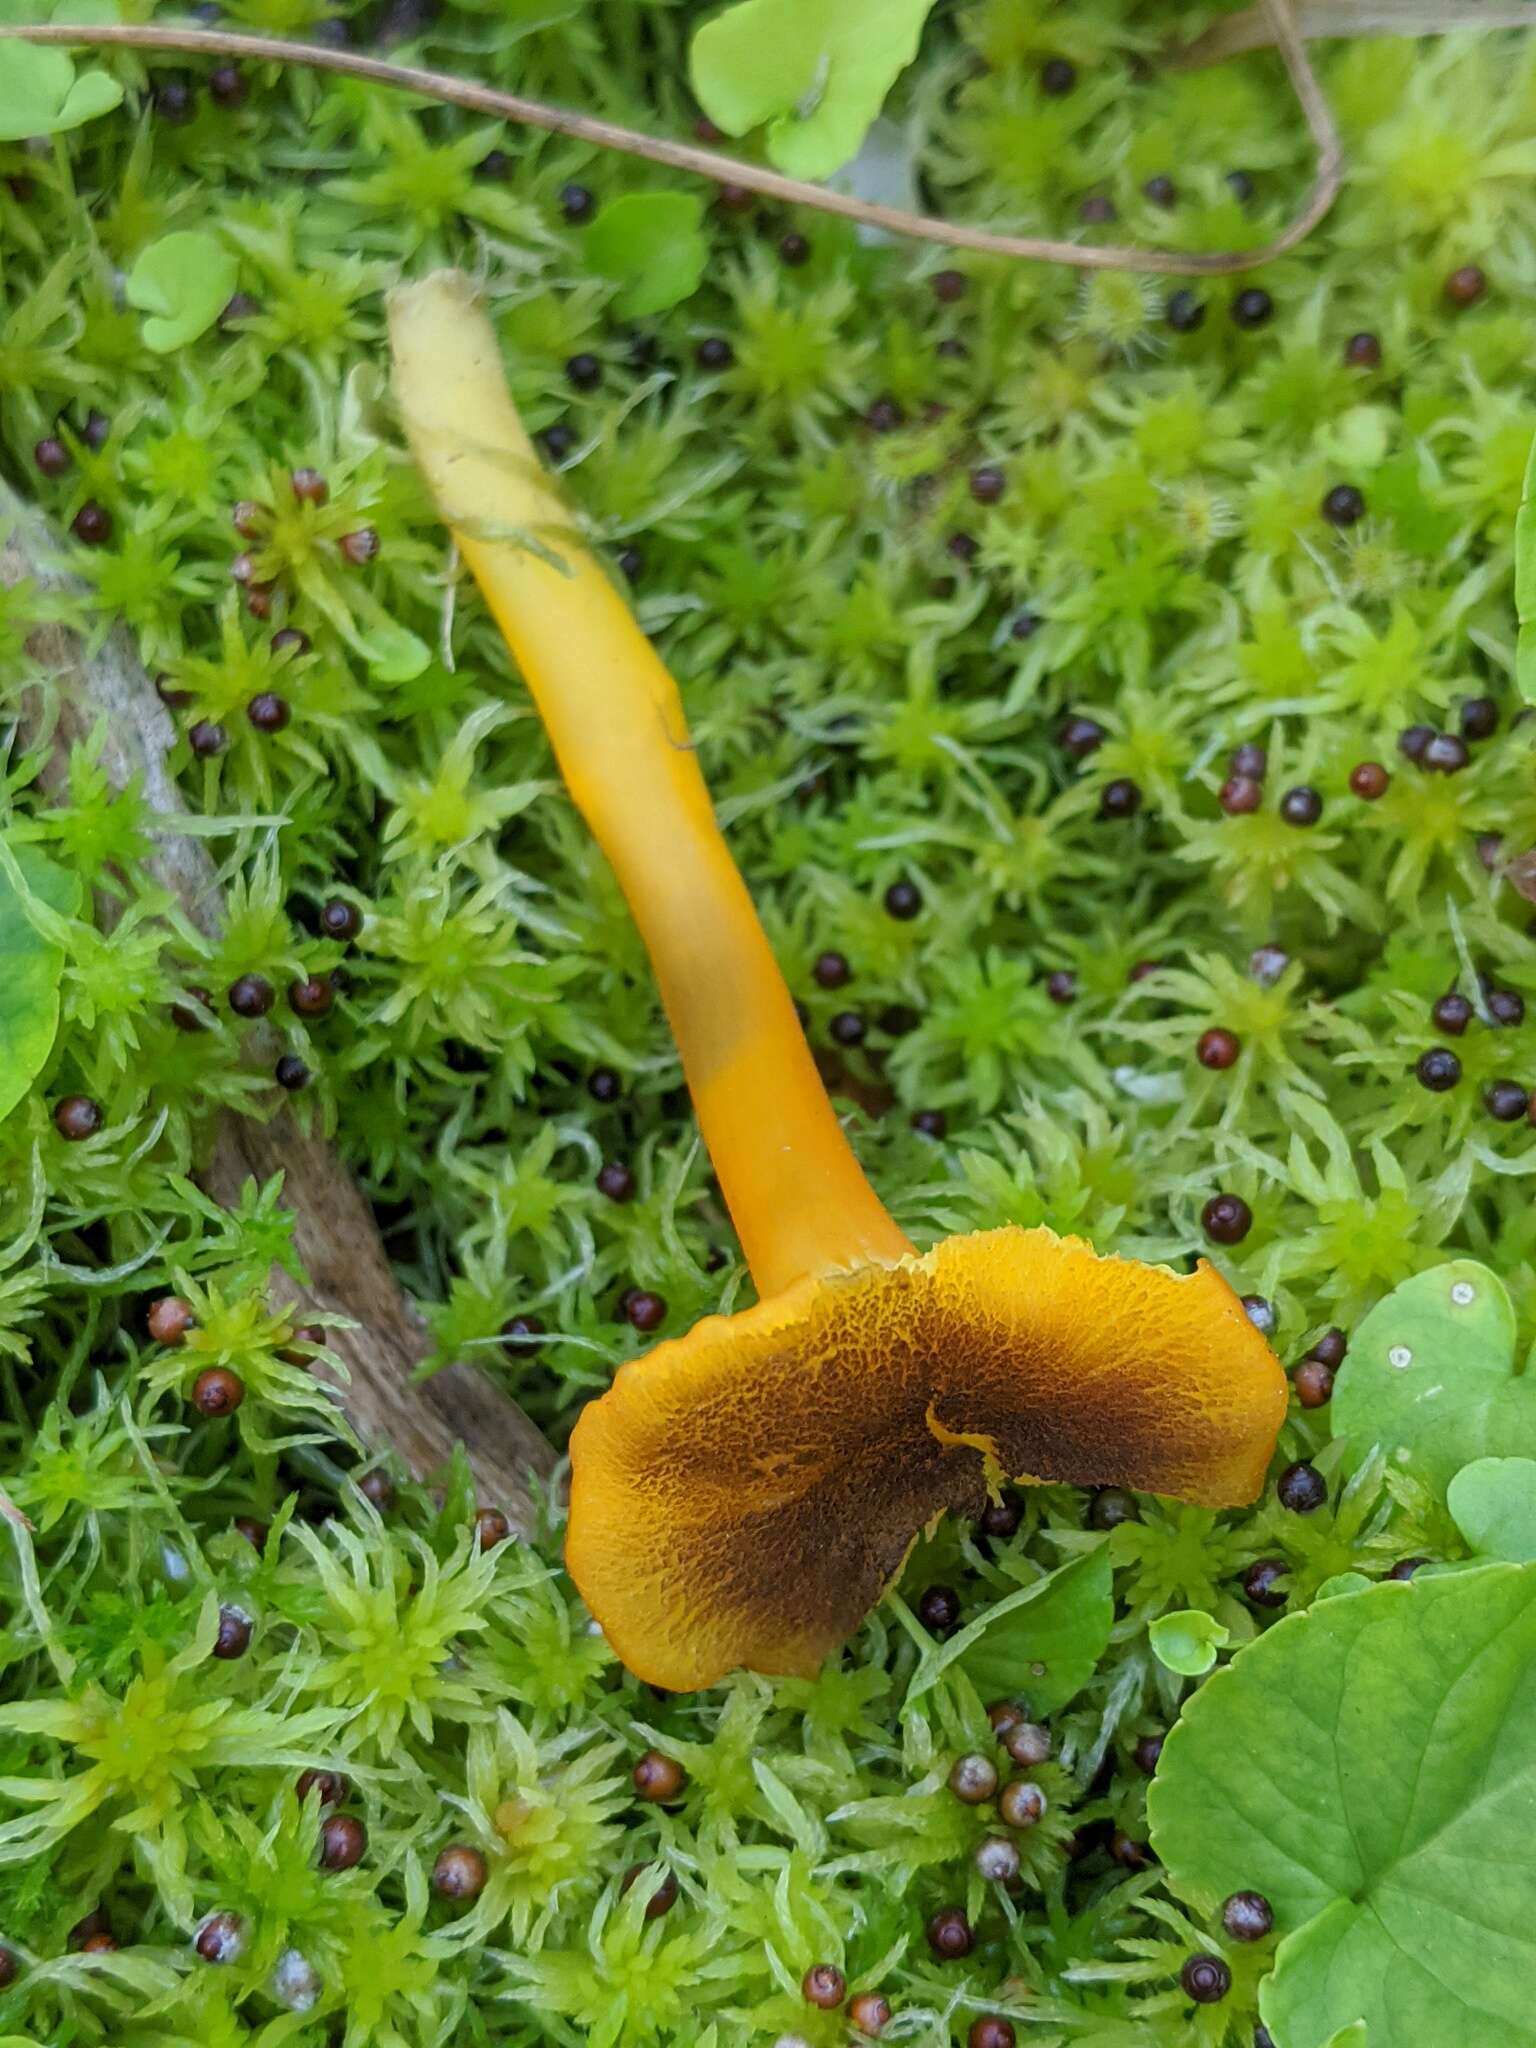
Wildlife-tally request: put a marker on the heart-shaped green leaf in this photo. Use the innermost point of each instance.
(1493, 1503)
(40, 93)
(183, 281)
(817, 70)
(1187, 1640)
(1370, 1767)
(1431, 1376)
(652, 243)
(30, 968)
(1041, 1644)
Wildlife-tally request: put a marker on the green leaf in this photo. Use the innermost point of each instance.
(652, 243)
(30, 968)
(1344, 1582)
(394, 654)
(1493, 1503)
(1431, 1377)
(1352, 2036)
(1042, 1643)
(40, 93)
(1187, 1641)
(1370, 1767)
(817, 70)
(183, 282)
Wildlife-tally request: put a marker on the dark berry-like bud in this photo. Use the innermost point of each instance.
(631, 563)
(1406, 1567)
(1058, 75)
(291, 1073)
(930, 1123)
(903, 900)
(1260, 1313)
(1000, 1518)
(309, 486)
(253, 1532)
(92, 524)
(949, 1934)
(1266, 964)
(206, 739)
(290, 640)
(76, 1117)
(251, 995)
(1413, 739)
(169, 1319)
(577, 204)
(1505, 1007)
(962, 547)
(1506, 1100)
(1120, 798)
(1239, 795)
(615, 1180)
(1344, 505)
(1003, 1715)
(360, 546)
(658, 1778)
(1438, 1069)
(1218, 1049)
(869, 2014)
(51, 456)
(831, 970)
(269, 712)
(794, 250)
(583, 372)
(1111, 1506)
(1021, 1803)
(378, 1489)
(1248, 1916)
(992, 2031)
(662, 1900)
(221, 1938)
(1097, 208)
(1369, 780)
(1161, 190)
(1261, 1582)
(174, 102)
(1301, 1488)
(1128, 1852)
(1330, 1348)
(459, 1872)
(1206, 1979)
(1313, 1383)
(1226, 1219)
(1146, 1753)
(227, 83)
(644, 1311)
(1446, 754)
(1081, 737)
(491, 1528)
(884, 415)
(1301, 805)
(1240, 185)
(217, 1391)
(824, 1986)
(311, 997)
(558, 441)
(239, 306)
(1249, 759)
(848, 1028)
(988, 484)
(340, 919)
(1479, 718)
(1464, 287)
(234, 1636)
(604, 1085)
(714, 352)
(1184, 312)
(1252, 307)
(939, 1610)
(1362, 351)
(1061, 986)
(1028, 1743)
(948, 285)
(343, 1842)
(973, 1779)
(997, 1859)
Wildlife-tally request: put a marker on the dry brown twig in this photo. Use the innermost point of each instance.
(1317, 20)
(727, 170)
(334, 1232)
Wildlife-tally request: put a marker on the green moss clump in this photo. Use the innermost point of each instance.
(879, 654)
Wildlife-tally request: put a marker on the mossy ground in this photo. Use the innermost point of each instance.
(878, 667)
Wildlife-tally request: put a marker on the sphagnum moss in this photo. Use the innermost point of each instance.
(782, 465)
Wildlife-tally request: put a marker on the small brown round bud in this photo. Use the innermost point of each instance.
(99, 1944)
(254, 1532)
(991, 2031)
(1146, 1753)
(340, 919)
(311, 997)
(92, 524)
(1465, 286)
(658, 1778)
(1022, 1803)
(217, 1391)
(378, 1489)
(1313, 1383)
(950, 1935)
(8, 1968)
(234, 1637)
(1003, 1715)
(491, 1528)
(973, 1779)
(206, 738)
(77, 1117)
(1028, 1743)
(459, 1872)
(269, 712)
(1368, 780)
(169, 1319)
(51, 456)
(309, 486)
(869, 2014)
(329, 1787)
(221, 1938)
(662, 1900)
(250, 521)
(360, 547)
(1248, 1916)
(251, 995)
(1218, 1049)
(824, 1986)
(997, 1859)
(291, 1073)
(343, 1842)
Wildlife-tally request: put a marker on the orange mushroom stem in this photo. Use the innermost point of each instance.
(743, 1495)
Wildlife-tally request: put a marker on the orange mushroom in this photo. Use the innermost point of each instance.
(744, 1494)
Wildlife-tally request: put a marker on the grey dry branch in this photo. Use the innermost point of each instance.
(1317, 20)
(334, 1232)
(445, 86)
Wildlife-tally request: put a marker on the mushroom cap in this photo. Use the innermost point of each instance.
(745, 1494)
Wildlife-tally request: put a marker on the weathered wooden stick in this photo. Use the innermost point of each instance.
(1315, 20)
(334, 1233)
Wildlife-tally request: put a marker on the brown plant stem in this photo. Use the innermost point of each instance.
(334, 1233)
(707, 163)
(1317, 20)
